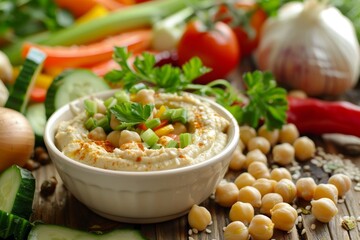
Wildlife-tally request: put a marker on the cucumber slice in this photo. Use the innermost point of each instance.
(17, 188)
(35, 113)
(13, 226)
(70, 85)
(19, 94)
(55, 232)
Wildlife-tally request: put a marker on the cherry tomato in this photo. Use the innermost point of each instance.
(248, 43)
(217, 48)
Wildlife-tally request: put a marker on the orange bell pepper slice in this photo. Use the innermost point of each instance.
(86, 55)
(38, 94)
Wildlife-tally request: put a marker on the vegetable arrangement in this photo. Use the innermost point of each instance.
(205, 55)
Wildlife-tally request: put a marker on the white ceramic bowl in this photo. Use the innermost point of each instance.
(140, 197)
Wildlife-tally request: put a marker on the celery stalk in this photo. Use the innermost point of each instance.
(136, 16)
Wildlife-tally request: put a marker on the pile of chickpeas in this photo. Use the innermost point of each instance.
(261, 199)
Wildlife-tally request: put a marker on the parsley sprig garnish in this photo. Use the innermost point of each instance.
(131, 113)
(266, 101)
(166, 78)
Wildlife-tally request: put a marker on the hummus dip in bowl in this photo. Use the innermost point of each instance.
(141, 181)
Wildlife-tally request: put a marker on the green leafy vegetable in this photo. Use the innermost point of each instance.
(267, 101)
(131, 113)
(21, 18)
(167, 78)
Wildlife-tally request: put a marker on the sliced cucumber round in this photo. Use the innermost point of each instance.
(37, 118)
(13, 226)
(19, 93)
(55, 232)
(17, 188)
(70, 85)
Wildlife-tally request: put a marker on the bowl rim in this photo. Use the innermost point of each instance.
(50, 143)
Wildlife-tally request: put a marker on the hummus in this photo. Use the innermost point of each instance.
(207, 128)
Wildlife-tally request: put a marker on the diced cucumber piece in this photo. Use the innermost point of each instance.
(20, 92)
(17, 188)
(35, 113)
(70, 85)
(13, 226)
(149, 137)
(55, 232)
(185, 139)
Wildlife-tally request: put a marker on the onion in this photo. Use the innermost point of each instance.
(17, 138)
(310, 46)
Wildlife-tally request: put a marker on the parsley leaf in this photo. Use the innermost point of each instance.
(19, 18)
(266, 101)
(131, 113)
(166, 77)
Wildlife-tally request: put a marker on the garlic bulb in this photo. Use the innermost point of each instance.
(312, 47)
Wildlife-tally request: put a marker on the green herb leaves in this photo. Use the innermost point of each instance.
(23, 18)
(267, 102)
(166, 78)
(131, 113)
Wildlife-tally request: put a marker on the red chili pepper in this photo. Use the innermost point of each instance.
(315, 116)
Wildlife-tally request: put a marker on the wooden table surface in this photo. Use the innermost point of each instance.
(63, 209)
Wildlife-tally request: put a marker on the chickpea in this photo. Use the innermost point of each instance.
(238, 160)
(250, 195)
(114, 122)
(287, 189)
(326, 190)
(179, 128)
(280, 173)
(241, 211)
(323, 209)
(244, 179)
(247, 133)
(304, 148)
(261, 227)
(255, 155)
(284, 216)
(241, 145)
(288, 133)
(236, 231)
(264, 185)
(113, 137)
(268, 201)
(305, 188)
(226, 194)
(259, 170)
(259, 142)
(145, 96)
(100, 106)
(97, 134)
(127, 136)
(97, 116)
(283, 153)
(271, 135)
(164, 140)
(342, 182)
(199, 217)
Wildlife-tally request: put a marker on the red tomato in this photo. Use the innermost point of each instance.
(217, 48)
(257, 18)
